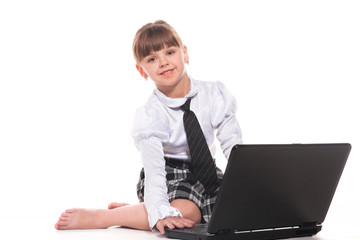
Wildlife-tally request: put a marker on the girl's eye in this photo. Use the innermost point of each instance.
(151, 59)
(171, 52)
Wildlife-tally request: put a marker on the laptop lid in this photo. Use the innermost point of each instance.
(275, 186)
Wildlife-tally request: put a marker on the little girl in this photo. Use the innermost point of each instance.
(171, 195)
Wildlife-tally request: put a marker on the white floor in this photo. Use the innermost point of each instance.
(41, 226)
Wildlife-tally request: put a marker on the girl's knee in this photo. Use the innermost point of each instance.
(188, 209)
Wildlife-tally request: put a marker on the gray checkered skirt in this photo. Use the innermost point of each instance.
(182, 184)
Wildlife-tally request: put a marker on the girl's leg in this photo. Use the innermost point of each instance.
(133, 216)
(188, 209)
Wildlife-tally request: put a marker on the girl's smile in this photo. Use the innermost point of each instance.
(167, 72)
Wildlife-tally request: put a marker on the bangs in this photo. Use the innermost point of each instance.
(154, 38)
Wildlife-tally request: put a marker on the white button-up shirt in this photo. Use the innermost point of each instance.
(159, 132)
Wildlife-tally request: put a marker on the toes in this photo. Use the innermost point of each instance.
(70, 211)
(61, 225)
(116, 205)
(65, 214)
(113, 205)
(62, 221)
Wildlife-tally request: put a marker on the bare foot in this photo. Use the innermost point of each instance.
(79, 218)
(116, 205)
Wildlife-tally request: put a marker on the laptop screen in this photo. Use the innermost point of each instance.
(274, 186)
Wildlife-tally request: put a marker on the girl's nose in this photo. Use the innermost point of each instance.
(163, 62)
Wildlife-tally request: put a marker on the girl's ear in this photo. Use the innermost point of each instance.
(141, 71)
(186, 56)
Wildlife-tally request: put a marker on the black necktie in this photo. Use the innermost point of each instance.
(202, 164)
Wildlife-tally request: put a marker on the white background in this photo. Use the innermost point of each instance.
(69, 89)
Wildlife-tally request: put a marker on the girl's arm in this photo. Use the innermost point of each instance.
(156, 197)
(223, 108)
(151, 129)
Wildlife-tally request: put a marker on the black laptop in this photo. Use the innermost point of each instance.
(273, 192)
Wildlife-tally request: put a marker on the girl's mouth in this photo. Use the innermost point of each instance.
(167, 72)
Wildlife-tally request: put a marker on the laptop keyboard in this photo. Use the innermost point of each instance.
(198, 228)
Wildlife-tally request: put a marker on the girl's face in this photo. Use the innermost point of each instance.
(166, 68)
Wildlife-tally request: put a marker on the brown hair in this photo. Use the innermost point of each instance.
(154, 37)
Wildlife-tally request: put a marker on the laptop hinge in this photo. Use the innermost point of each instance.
(226, 232)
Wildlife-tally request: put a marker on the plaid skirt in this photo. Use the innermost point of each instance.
(182, 184)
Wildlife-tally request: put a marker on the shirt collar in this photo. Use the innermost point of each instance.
(177, 102)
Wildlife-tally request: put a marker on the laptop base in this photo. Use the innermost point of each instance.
(266, 234)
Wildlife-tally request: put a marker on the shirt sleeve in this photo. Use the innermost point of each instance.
(151, 130)
(223, 107)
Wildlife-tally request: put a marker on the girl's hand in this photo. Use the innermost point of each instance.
(172, 222)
